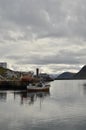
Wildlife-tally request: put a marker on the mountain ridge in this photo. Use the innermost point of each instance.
(81, 74)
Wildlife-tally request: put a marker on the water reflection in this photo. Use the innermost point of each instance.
(3, 96)
(64, 108)
(84, 88)
(23, 96)
(30, 98)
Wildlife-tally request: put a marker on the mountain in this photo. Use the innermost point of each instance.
(81, 74)
(66, 75)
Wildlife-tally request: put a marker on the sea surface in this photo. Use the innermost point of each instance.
(62, 108)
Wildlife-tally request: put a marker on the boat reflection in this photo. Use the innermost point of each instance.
(3, 96)
(30, 98)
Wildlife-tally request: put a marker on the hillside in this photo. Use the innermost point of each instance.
(7, 73)
(81, 74)
(66, 75)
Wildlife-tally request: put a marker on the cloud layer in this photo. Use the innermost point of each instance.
(50, 34)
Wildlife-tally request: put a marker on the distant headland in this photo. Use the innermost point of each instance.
(70, 75)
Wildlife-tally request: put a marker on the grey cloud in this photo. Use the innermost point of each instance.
(50, 18)
(63, 68)
(64, 57)
(52, 68)
(43, 32)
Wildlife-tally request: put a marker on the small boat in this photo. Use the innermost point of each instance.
(38, 87)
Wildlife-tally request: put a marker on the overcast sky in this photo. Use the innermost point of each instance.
(49, 34)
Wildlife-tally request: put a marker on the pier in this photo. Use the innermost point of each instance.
(13, 85)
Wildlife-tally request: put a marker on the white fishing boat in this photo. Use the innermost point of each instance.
(38, 87)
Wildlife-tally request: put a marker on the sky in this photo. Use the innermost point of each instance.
(45, 34)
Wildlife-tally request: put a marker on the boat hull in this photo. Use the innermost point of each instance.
(38, 89)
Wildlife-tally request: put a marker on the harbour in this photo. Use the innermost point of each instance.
(62, 108)
(42, 65)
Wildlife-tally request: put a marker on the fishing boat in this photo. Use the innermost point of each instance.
(38, 87)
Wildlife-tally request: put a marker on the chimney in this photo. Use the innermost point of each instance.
(37, 72)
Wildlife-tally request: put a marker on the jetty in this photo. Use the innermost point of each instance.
(13, 85)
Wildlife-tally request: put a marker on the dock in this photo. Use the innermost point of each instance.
(13, 85)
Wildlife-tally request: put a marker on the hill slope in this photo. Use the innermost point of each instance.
(7, 73)
(66, 75)
(81, 74)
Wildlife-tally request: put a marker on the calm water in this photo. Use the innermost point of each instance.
(63, 108)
